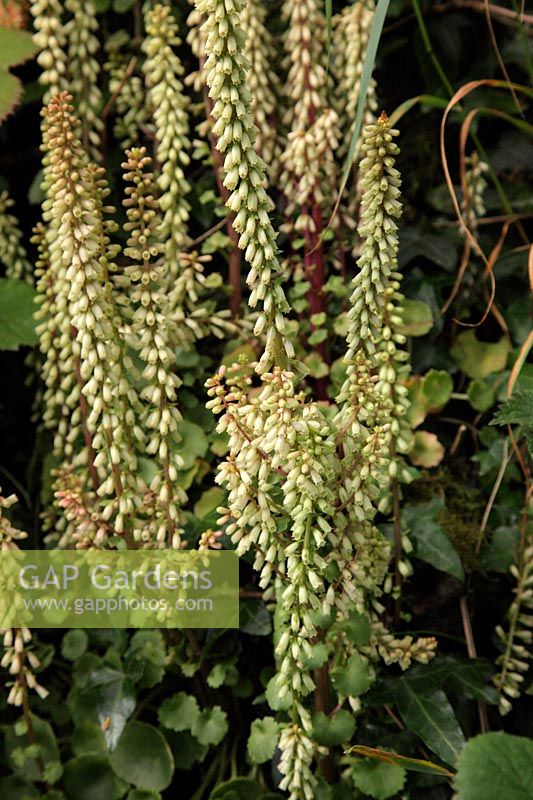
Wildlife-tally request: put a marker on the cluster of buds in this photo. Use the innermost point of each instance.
(244, 171)
(163, 71)
(18, 659)
(84, 71)
(12, 252)
(51, 40)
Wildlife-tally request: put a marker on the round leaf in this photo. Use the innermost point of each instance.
(377, 779)
(143, 757)
(263, 740)
(495, 766)
(90, 777)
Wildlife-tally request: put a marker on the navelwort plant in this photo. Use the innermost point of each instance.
(310, 460)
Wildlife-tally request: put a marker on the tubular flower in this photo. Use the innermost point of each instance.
(127, 87)
(305, 45)
(12, 252)
(50, 38)
(150, 338)
(81, 250)
(516, 641)
(350, 41)
(244, 171)
(263, 82)
(84, 68)
(17, 658)
(163, 72)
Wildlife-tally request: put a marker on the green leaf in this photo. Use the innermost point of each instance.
(16, 789)
(21, 761)
(430, 541)
(113, 696)
(437, 387)
(276, 702)
(145, 658)
(209, 501)
(411, 764)
(263, 740)
(378, 779)
(143, 757)
(335, 730)
(354, 678)
(358, 629)
(194, 443)
(141, 794)
(186, 749)
(495, 766)
(427, 450)
(479, 359)
(179, 713)
(237, 789)
(88, 738)
(439, 248)
(211, 726)
(10, 93)
(501, 550)
(90, 777)
(430, 715)
(319, 656)
(417, 319)
(480, 395)
(74, 644)
(518, 410)
(17, 326)
(15, 47)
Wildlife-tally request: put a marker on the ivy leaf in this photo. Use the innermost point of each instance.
(211, 726)
(264, 735)
(143, 757)
(354, 678)
(495, 766)
(430, 541)
(179, 713)
(430, 715)
(333, 731)
(17, 326)
(378, 779)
